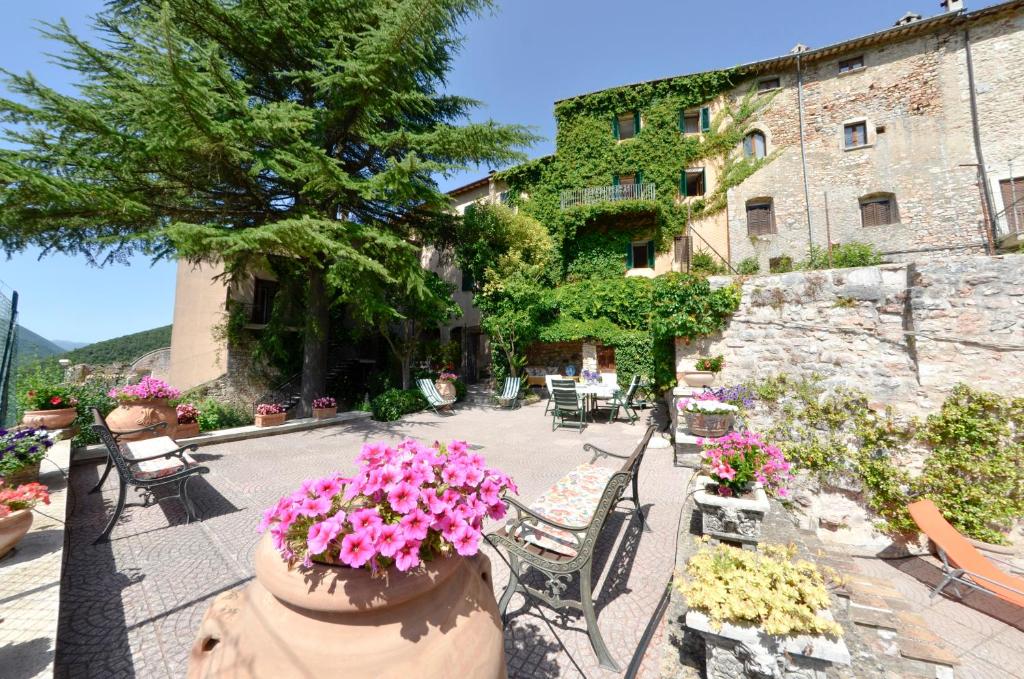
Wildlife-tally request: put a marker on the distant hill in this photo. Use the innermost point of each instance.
(68, 345)
(122, 349)
(32, 347)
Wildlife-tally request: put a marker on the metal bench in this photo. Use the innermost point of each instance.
(558, 533)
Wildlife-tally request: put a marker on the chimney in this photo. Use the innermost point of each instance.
(952, 5)
(908, 18)
(798, 48)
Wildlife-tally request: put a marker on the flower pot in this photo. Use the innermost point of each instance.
(446, 389)
(325, 413)
(27, 474)
(143, 413)
(735, 520)
(51, 419)
(439, 621)
(271, 420)
(186, 431)
(709, 425)
(698, 378)
(13, 528)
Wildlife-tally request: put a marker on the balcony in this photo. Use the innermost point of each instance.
(607, 194)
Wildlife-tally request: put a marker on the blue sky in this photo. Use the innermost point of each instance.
(518, 61)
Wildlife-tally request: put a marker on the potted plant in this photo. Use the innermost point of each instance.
(50, 407)
(324, 407)
(16, 503)
(384, 564)
(708, 417)
(21, 451)
(270, 414)
(733, 497)
(143, 404)
(446, 384)
(761, 614)
(188, 420)
(705, 369)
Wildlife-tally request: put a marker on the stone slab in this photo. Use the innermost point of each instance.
(873, 617)
(816, 647)
(927, 652)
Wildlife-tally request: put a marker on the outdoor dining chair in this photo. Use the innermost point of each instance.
(568, 407)
(556, 382)
(433, 396)
(623, 400)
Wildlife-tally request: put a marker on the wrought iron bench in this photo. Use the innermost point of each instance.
(558, 533)
(145, 473)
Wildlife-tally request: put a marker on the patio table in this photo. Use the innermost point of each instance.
(591, 393)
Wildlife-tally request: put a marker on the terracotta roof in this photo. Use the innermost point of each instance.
(470, 186)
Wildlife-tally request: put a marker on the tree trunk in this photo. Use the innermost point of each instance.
(406, 372)
(314, 347)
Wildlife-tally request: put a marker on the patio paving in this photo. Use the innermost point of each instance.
(131, 607)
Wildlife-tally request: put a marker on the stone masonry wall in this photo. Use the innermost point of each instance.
(903, 333)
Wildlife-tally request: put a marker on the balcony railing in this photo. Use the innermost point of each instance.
(602, 194)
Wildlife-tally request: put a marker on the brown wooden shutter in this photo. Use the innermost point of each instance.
(682, 248)
(759, 220)
(1013, 202)
(876, 213)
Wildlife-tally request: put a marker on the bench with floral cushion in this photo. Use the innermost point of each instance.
(557, 534)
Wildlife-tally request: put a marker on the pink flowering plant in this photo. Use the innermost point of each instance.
(187, 413)
(406, 505)
(325, 402)
(269, 409)
(740, 459)
(145, 389)
(25, 496)
(447, 376)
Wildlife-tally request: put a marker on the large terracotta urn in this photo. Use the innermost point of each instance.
(143, 413)
(440, 621)
(698, 378)
(446, 388)
(13, 528)
(51, 419)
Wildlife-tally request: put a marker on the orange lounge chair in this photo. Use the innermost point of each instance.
(962, 563)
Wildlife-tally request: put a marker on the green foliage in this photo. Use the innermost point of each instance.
(394, 403)
(783, 264)
(843, 256)
(706, 264)
(215, 414)
(597, 255)
(124, 349)
(685, 306)
(49, 376)
(711, 364)
(30, 347)
(748, 266)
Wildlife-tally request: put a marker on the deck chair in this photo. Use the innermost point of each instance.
(962, 563)
(434, 398)
(510, 392)
(568, 407)
(145, 473)
(624, 400)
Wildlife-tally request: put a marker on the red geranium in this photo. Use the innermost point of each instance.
(55, 400)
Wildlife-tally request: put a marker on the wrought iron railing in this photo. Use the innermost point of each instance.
(602, 194)
(8, 346)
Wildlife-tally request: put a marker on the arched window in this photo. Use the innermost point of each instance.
(754, 145)
(878, 209)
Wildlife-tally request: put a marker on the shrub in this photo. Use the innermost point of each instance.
(704, 263)
(783, 264)
(394, 403)
(748, 266)
(460, 389)
(844, 256)
(214, 414)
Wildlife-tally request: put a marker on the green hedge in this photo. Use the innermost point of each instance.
(394, 403)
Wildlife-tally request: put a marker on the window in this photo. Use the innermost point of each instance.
(504, 197)
(878, 210)
(263, 293)
(626, 125)
(768, 84)
(467, 281)
(692, 182)
(760, 217)
(851, 64)
(754, 145)
(695, 121)
(640, 255)
(627, 185)
(855, 134)
(1012, 191)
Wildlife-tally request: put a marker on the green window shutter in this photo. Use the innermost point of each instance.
(615, 180)
(682, 121)
(636, 123)
(638, 178)
(629, 255)
(615, 126)
(704, 180)
(682, 183)
(650, 253)
(705, 119)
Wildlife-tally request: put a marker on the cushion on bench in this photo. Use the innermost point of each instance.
(160, 467)
(571, 501)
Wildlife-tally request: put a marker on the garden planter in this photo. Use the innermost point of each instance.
(186, 431)
(439, 621)
(13, 528)
(27, 474)
(324, 413)
(709, 425)
(51, 419)
(731, 519)
(698, 378)
(446, 389)
(271, 420)
(744, 650)
(143, 413)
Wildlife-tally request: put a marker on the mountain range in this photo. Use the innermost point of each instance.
(33, 347)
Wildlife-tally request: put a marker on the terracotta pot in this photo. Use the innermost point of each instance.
(271, 420)
(51, 419)
(445, 388)
(27, 474)
(709, 425)
(143, 413)
(698, 378)
(186, 431)
(441, 621)
(324, 413)
(13, 528)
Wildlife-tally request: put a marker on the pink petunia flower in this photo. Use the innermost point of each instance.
(389, 539)
(415, 524)
(356, 549)
(466, 541)
(408, 555)
(403, 497)
(320, 536)
(315, 506)
(365, 520)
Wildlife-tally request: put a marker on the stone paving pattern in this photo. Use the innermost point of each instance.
(131, 607)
